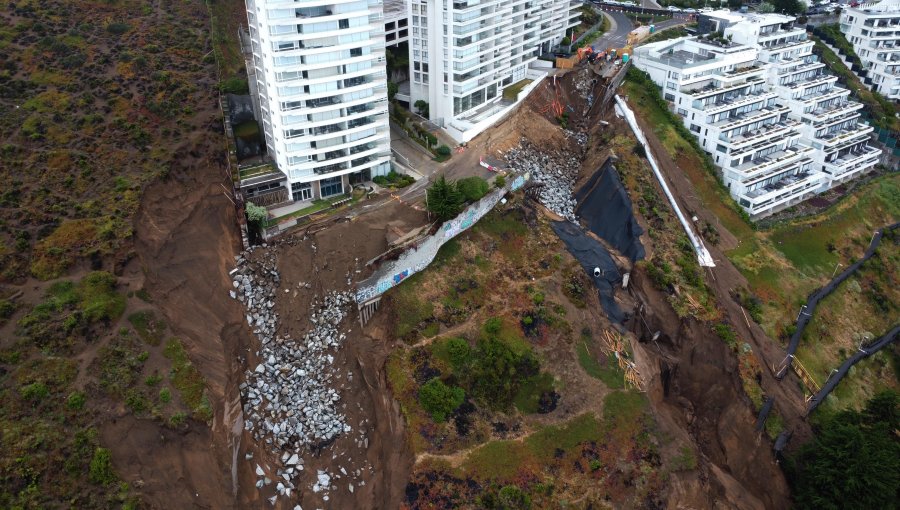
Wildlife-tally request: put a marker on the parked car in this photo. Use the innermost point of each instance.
(690, 10)
(673, 8)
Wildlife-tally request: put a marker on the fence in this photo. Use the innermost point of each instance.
(859, 355)
(807, 311)
(418, 257)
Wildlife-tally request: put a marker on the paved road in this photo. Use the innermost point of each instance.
(621, 25)
(617, 34)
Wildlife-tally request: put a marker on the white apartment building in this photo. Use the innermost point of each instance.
(720, 91)
(463, 53)
(874, 30)
(320, 78)
(762, 106)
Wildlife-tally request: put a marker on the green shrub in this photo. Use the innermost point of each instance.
(473, 188)
(101, 467)
(35, 392)
(117, 28)
(165, 396)
(726, 333)
(499, 181)
(443, 150)
(235, 85)
(99, 299)
(853, 461)
(178, 418)
(76, 400)
(440, 400)
(511, 497)
(498, 372)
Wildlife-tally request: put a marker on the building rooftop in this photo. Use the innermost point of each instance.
(883, 7)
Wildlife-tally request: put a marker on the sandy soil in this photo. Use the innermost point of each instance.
(326, 260)
(186, 236)
(725, 278)
(186, 240)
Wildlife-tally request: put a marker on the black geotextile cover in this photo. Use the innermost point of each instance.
(604, 207)
(591, 253)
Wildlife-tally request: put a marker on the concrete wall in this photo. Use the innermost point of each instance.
(416, 259)
(462, 131)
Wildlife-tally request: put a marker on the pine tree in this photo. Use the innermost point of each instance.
(444, 199)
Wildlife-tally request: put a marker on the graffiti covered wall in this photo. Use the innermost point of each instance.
(417, 258)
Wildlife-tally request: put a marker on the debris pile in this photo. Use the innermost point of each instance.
(289, 398)
(557, 172)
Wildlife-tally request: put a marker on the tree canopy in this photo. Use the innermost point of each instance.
(444, 199)
(439, 399)
(854, 461)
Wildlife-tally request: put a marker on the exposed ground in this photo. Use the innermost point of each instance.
(115, 231)
(782, 263)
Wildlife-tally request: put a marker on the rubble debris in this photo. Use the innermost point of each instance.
(556, 170)
(289, 397)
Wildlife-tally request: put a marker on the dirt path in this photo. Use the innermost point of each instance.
(725, 278)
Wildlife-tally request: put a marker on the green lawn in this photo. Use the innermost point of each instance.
(512, 92)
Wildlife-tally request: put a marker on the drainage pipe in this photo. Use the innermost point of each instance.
(703, 256)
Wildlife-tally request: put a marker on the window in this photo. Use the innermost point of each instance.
(331, 186)
(355, 52)
(301, 191)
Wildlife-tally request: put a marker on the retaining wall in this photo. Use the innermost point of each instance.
(417, 258)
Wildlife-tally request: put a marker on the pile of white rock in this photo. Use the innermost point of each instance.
(556, 171)
(289, 399)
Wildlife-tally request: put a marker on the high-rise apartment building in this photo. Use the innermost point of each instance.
(320, 78)
(874, 30)
(763, 107)
(463, 53)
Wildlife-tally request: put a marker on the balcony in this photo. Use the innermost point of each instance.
(327, 169)
(765, 167)
(760, 138)
(322, 101)
(844, 135)
(863, 157)
(712, 89)
(355, 123)
(776, 193)
(735, 102)
(324, 130)
(749, 117)
(352, 110)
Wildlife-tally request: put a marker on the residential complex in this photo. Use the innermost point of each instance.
(463, 53)
(319, 73)
(762, 105)
(874, 30)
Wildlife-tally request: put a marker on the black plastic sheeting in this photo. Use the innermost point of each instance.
(604, 207)
(590, 253)
(809, 310)
(858, 356)
(764, 413)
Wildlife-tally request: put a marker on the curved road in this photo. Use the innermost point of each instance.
(621, 25)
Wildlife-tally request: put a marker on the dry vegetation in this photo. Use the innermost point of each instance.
(97, 100)
(558, 433)
(786, 261)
